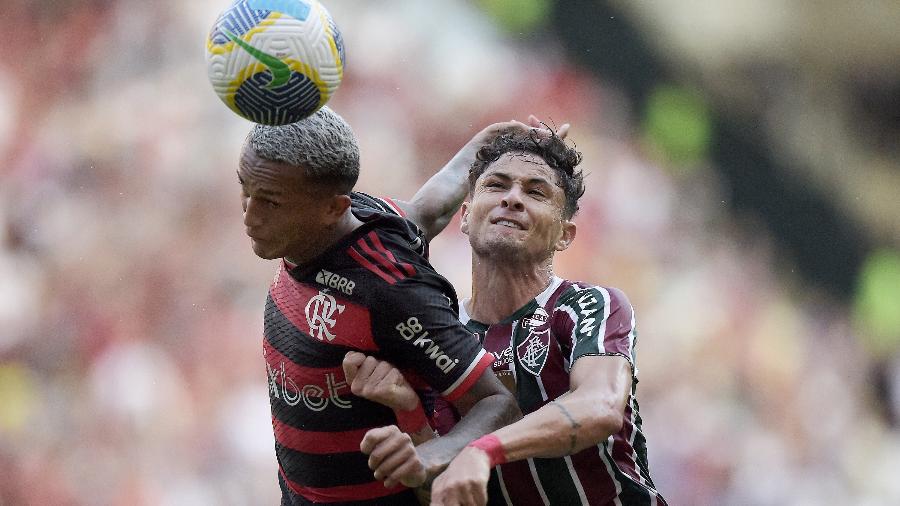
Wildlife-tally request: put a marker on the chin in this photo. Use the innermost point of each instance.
(502, 249)
(265, 254)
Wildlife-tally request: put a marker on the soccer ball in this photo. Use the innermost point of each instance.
(275, 61)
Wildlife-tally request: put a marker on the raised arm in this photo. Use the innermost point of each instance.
(434, 204)
(589, 413)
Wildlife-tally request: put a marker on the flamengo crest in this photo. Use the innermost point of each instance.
(532, 352)
(320, 315)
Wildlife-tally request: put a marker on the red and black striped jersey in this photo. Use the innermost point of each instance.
(534, 350)
(375, 292)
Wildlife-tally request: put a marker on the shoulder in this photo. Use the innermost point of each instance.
(391, 221)
(363, 201)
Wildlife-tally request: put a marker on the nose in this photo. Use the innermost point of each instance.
(513, 199)
(251, 214)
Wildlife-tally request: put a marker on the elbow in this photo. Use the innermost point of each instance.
(604, 422)
(511, 408)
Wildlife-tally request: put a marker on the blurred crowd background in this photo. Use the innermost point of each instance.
(743, 177)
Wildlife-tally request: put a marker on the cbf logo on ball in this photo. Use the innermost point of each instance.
(275, 61)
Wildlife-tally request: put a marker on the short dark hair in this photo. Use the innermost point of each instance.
(553, 150)
(322, 145)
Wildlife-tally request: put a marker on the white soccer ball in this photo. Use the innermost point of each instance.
(275, 61)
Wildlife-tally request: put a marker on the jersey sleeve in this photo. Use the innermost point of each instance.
(600, 321)
(382, 205)
(417, 329)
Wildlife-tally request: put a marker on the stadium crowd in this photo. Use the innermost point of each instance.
(130, 336)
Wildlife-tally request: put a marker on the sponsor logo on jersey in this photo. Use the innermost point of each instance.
(320, 315)
(502, 358)
(314, 396)
(335, 281)
(537, 319)
(533, 351)
(587, 306)
(411, 330)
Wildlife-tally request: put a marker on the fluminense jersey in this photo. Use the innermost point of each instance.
(374, 292)
(534, 350)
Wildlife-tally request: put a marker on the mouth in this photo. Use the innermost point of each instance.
(503, 222)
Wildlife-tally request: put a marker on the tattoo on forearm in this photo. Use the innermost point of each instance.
(575, 425)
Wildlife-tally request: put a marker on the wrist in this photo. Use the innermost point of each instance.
(412, 420)
(490, 445)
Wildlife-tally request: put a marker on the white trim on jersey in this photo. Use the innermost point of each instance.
(576, 480)
(540, 383)
(607, 301)
(609, 467)
(464, 375)
(463, 314)
(537, 482)
(503, 486)
(634, 456)
(632, 335)
(390, 205)
(544, 296)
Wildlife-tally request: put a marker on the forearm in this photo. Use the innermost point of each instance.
(488, 414)
(440, 197)
(562, 427)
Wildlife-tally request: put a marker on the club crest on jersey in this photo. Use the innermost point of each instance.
(320, 315)
(532, 352)
(537, 319)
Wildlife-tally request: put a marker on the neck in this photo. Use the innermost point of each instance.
(499, 289)
(347, 223)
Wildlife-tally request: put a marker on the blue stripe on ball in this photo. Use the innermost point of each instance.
(239, 19)
(293, 101)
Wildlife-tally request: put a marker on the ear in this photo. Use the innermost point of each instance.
(567, 235)
(337, 206)
(464, 218)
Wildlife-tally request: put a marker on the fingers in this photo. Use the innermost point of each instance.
(460, 493)
(561, 132)
(464, 481)
(351, 363)
(364, 371)
(392, 457)
(374, 437)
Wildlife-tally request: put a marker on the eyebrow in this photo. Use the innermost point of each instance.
(262, 191)
(530, 181)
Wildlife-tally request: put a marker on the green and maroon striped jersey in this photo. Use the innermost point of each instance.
(534, 350)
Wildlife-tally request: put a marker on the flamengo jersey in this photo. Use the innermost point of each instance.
(375, 292)
(534, 350)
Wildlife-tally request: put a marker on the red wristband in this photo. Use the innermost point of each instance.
(411, 421)
(491, 445)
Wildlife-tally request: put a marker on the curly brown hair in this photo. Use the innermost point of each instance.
(553, 150)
